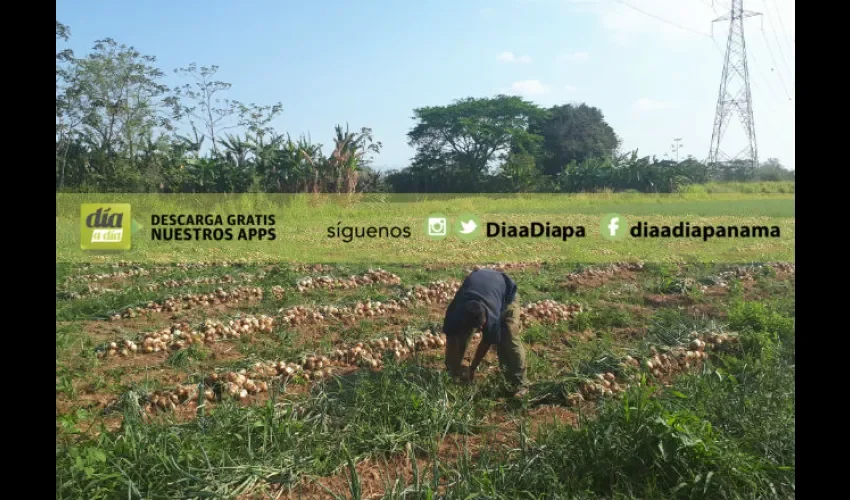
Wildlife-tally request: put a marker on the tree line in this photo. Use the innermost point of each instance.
(120, 128)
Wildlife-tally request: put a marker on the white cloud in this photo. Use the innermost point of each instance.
(569, 88)
(529, 88)
(575, 57)
(510, 57)
(651, 105)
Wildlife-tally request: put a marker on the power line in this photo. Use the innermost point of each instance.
(712, 3)
(779, 16)
(773, 27)
(766, 80)
(671, 23)
(778, 45)
(773, 59)
(709, 4)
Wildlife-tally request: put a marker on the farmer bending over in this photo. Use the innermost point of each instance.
(488, 302)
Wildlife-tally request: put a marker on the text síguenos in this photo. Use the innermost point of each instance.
(348, 233)
(534, 230)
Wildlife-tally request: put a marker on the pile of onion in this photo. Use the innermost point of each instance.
(378, 276)
(181, 335)
(548, 311)
(671, 361)
(505, 266)
(223, 280)
(189, 301)
(242, 383)
(437, 292)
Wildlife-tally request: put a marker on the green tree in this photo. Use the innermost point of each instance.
(116, 92)
(519, 174)
(66, 119)
(257, 119)
(201, 104)
(466, 138)
(773, 170)
(573, 133)
(351, 153)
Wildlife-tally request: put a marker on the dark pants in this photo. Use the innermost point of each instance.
(510, 350)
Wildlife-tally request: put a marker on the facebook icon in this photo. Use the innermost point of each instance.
(613, 227)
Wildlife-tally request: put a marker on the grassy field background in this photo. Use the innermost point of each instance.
(722, 428)
(686, 421)
(303, 221)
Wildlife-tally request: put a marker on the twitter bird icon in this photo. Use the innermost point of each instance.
(468, 227)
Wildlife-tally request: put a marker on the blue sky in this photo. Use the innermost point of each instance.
(371, 63)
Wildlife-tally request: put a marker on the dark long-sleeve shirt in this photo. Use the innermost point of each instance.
(495, 289)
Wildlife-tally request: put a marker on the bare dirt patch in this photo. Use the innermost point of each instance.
(662, 300)
(597, 277)
(636, 310)
(543, 415)
(629, 332)
(700, 311)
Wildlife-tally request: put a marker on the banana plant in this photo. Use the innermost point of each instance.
(349, 154)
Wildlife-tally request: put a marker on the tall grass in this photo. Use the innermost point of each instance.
(232, 448)
(726, 433)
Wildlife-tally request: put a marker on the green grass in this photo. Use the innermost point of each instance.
(725, 432)
(742, 187)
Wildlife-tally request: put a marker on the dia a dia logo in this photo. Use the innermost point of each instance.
(105, 226)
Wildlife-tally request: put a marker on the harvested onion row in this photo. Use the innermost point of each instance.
(181, 335)
(192, 300)
(212, 331)
(436, 292)
(239, 385)
(138, 270)
(661, 364)
(242, 383)
(548, 311)
(378, 276)
(242, 293)
(545, 311)
(312, 268)
(300, 315)
(505, 266)
(105, 276)
(226, 279)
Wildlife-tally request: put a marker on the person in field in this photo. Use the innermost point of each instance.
(488, 302)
